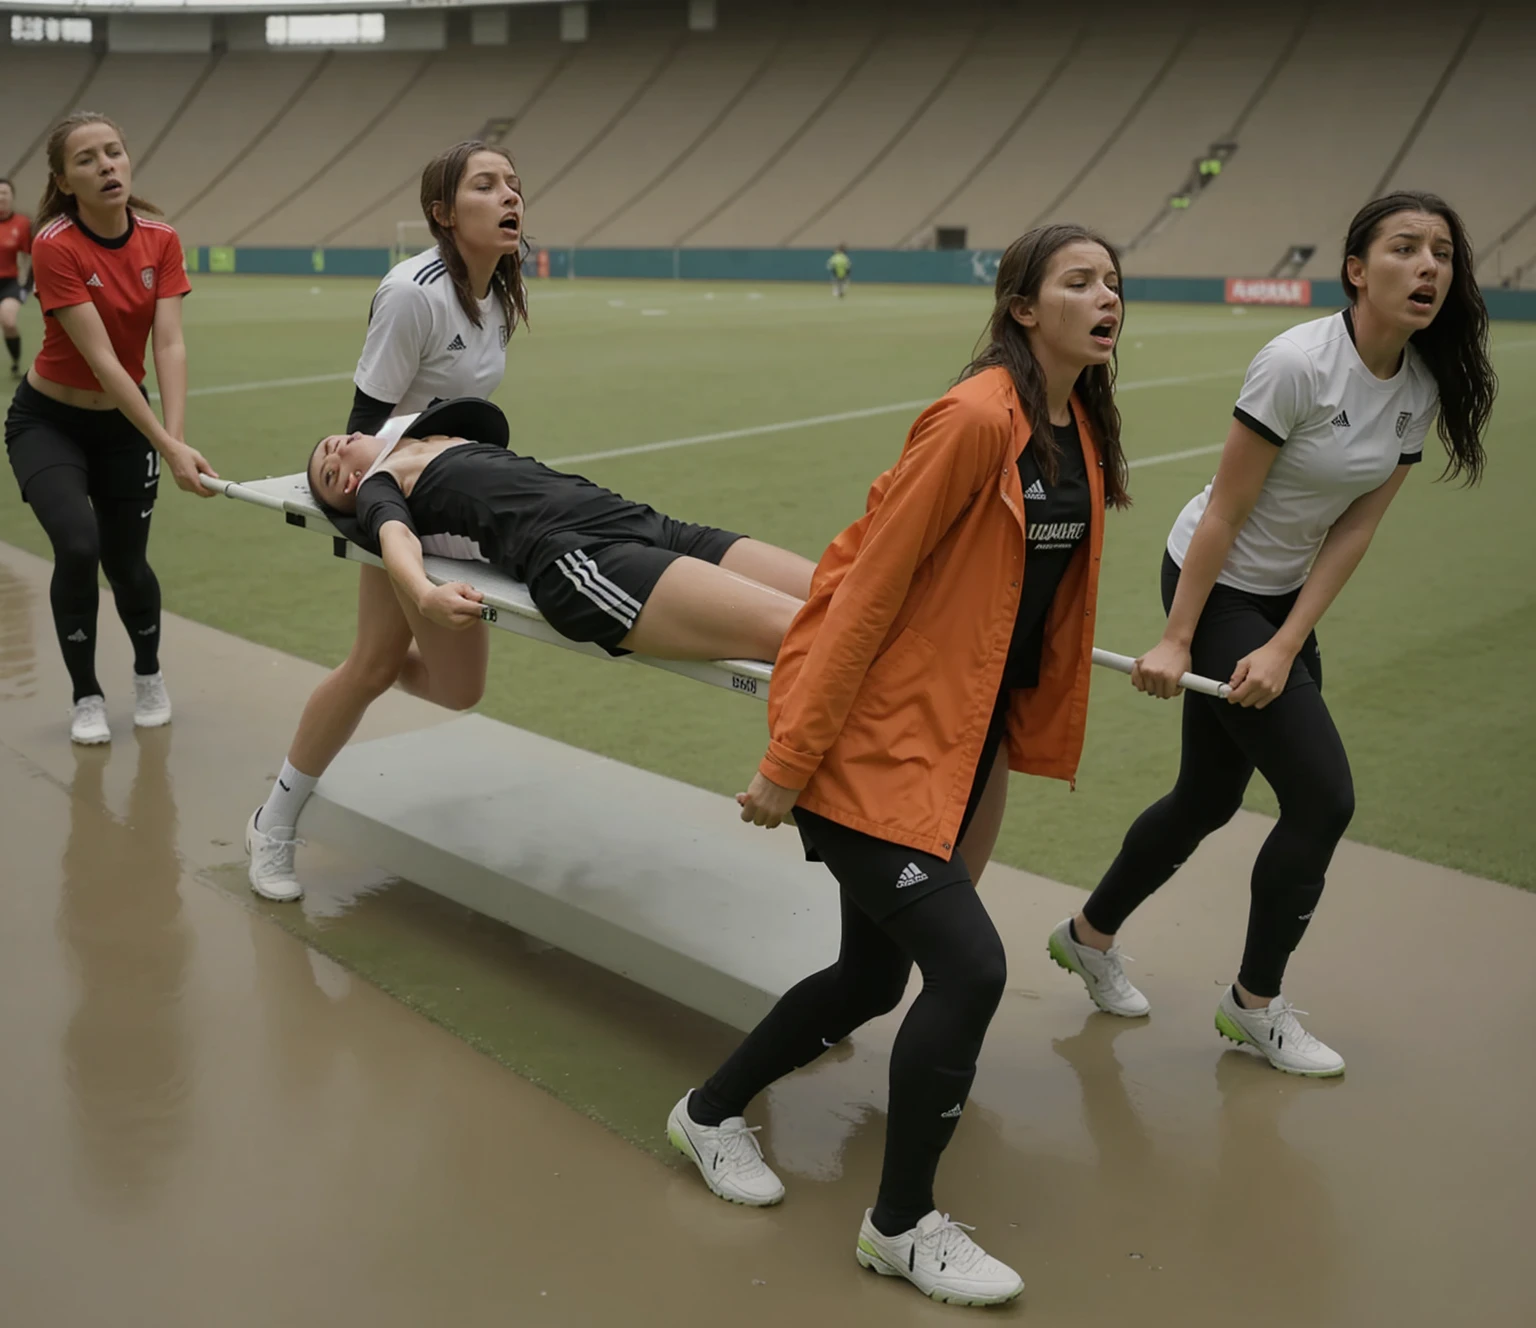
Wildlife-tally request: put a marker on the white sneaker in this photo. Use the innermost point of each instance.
(727, 1156)
(1101, 971)
(940, 1260)
(88, 726)
(1275, 1031)
(271, 870)
(151, 702)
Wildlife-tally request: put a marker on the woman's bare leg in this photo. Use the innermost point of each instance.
(445, 666)
(700, 611)
(378, 655)
(981, 835)
(771, 566)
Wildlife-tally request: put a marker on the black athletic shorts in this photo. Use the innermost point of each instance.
(1235, 623)
(118, 461)
(883, 877)
(595, 590)
(10, 288)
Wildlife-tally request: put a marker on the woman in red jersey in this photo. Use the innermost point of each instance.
(15, 245)
(83, 442)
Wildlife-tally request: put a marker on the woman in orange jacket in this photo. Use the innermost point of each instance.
(947, 639)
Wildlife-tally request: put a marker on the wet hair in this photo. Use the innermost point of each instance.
(1454, 347)
(56, 203)
(439, 188)
(1005, 344)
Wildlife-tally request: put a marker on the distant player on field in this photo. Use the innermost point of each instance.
(840, 265)
(15, 270)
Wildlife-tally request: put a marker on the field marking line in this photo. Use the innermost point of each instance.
(840, 417)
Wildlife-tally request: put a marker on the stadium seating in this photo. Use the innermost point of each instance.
(861, 122)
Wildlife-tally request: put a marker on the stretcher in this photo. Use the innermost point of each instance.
(508, 606)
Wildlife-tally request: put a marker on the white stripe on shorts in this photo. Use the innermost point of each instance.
(582, 573)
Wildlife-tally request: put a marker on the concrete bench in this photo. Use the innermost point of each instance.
(645, 876)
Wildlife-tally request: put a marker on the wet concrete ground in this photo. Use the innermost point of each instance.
(210, 1121)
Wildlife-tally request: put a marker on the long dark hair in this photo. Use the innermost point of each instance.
(1454, 347)
(56, 203)
(1004, 345)
(439, 187)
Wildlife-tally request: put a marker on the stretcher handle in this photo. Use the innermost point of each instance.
(1190, 682)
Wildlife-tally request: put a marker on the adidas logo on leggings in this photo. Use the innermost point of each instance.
(911, 874)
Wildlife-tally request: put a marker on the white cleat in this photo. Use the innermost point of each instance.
(1102, 973)
(88, 725)
(271, 870)
(940, 1260)
(1276, 1032)
(727, 1156)
(151, 702)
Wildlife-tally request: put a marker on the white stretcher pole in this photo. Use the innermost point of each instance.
(1190, 682)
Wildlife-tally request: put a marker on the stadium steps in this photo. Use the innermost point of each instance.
(32, 85)
(404, 197)
(210, 67)
(809, 121)
(553, 181)
(1043, 87)
(966, 54)
(1164, 216)
(320, 65)
(323, 170)
(624, 211)
(644, 876)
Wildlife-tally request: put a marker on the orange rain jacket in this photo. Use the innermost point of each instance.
(887, 678)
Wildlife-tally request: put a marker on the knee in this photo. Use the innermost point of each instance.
(885, 993)
(370, 675)
(1202, 812)
(981, 979)
(1331, 807)
(77, 550)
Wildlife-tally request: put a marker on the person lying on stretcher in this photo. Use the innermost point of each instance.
(598, 567)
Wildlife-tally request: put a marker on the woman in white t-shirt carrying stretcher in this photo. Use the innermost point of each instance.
(438, 328)
(1331, 416)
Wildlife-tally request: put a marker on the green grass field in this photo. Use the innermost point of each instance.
(1421, 650)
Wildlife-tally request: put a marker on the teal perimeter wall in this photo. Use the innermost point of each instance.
(963, 267)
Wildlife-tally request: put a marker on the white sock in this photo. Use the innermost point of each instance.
(289, 794)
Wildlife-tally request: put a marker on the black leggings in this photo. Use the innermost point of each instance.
(90, 479)
(1292, 742)
(955, 946)
(113, 535)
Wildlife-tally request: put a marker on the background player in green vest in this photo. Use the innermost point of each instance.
(840, 265)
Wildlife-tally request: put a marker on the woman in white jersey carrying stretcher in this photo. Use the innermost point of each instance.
(1332, 415)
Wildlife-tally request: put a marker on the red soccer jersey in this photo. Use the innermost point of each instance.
(15, 238)
(123, 278)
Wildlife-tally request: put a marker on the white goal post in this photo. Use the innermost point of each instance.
(411, 237)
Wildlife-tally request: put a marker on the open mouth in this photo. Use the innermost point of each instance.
(112, 187)
(1424, 297)
(510, 225)
(1104, 333)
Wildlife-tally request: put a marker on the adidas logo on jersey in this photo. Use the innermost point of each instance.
(94, 280)
(77, 635)
(1341, 420)
(1035, 493)
(457, 343)
(952, 1113)
(911, 874)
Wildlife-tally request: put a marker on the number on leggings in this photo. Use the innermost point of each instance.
(154, 465)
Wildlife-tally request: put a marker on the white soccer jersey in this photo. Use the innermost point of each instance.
(421, 347)
(1341, 432)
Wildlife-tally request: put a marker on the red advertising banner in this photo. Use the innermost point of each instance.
(1268, 290)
